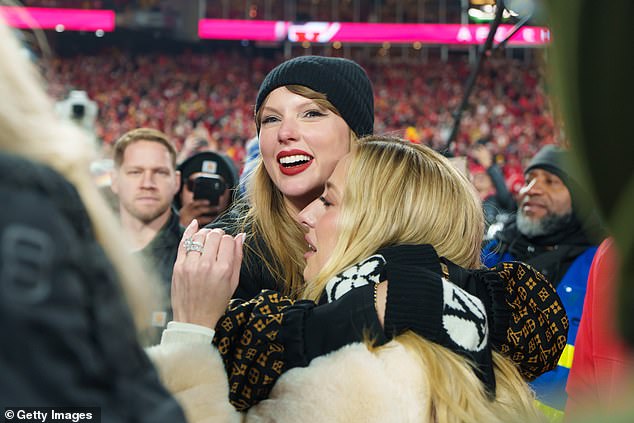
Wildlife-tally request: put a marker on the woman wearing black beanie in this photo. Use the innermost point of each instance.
(442, 365)
(307, 113)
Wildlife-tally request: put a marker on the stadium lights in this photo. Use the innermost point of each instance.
(487, 13)
(484, 10)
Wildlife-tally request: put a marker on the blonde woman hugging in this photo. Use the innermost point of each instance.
(386, 240)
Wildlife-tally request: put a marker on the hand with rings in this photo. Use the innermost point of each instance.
(206, 274)
(191, 245)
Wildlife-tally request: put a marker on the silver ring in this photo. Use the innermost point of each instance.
(191, 245)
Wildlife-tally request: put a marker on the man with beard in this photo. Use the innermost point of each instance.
(553, 233)
(145, 179)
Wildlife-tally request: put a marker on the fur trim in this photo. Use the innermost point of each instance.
(195, 375)
(349, 385)
(352, 384)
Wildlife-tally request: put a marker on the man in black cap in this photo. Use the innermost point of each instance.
(208, 182)
(555, 234)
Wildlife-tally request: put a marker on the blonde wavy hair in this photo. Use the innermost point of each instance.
(402, 193)
(270, 218)
(30, 128)
(458, 396)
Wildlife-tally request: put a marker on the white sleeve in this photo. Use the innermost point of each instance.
(188, 333)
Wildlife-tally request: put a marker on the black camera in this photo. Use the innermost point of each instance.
(79, 108)
(78, 111)
(209, 187)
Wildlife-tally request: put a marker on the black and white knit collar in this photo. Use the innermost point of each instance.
(421, 300)
(363, 273)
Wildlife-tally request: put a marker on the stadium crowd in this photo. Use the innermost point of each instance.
(500, 308)
(177, 93)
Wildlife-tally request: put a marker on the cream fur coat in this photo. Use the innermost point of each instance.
(348, 385)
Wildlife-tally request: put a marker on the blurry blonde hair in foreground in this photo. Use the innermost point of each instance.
(402, 193)
(30, 128)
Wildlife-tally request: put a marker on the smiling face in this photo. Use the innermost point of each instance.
(146, 181)
(544, 194)
(544, 204)
(320, 218)
(301, 143)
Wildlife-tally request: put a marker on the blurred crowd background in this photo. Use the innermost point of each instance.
(178, 93)
(154, 81)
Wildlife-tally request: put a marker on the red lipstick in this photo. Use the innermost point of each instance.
(292, 162)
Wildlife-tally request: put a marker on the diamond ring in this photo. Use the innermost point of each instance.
(191, 245)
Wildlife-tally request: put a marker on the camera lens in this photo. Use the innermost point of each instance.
(78, 111)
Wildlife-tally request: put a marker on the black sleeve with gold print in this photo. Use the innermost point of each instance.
(261, 339)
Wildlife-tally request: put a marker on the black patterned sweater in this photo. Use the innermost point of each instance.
(262, 338)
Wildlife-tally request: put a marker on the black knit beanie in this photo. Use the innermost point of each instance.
(552, 159)
(555, 159)
(344, 82)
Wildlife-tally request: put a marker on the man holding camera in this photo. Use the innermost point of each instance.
(207, 187)
(145, 180)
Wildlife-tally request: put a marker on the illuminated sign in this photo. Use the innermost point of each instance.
(58, 19)
(233, 29)
(352, 32)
